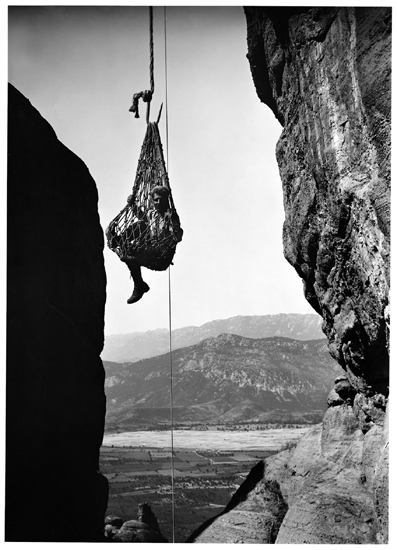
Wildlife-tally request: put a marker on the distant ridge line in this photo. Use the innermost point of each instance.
(140, 345)
(314, 315)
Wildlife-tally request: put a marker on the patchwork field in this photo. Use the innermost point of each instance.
(208, 466)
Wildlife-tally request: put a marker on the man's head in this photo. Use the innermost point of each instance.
(159, 196)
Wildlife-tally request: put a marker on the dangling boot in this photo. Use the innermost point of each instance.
(138, 292)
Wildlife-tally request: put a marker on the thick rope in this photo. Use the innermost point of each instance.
(151, 46)
(166, 83)
(169, 294)
(147, 94)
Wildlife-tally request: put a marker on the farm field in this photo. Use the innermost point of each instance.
(203, 485)
(208, 469)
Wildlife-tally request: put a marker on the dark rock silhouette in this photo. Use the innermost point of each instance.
(144, 529)
(112, 526)
(55, 319)
(343, 388)
(114, 521)
(146, 515)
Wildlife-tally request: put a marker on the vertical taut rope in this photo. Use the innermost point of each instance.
(172, 412)
(166, 81)
(169, 295)
(151, 44)
(151, 69)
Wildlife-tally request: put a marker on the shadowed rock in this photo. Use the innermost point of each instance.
(114, 521)
(145, 529)
(55, 320)
(112, 526)
(146, 515)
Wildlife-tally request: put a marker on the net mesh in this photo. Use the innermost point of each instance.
(139, 231)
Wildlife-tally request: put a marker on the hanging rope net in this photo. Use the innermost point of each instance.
(139, 231)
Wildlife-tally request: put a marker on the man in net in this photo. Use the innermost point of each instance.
(158, 224)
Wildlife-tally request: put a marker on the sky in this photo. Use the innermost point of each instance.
(80, 66)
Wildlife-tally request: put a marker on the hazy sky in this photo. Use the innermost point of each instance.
(80, 66)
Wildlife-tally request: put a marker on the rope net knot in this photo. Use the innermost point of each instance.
(141, 231)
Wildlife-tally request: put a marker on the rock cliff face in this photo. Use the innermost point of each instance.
(253, 516)
(325, 73)
(55, 320)
(328, 83)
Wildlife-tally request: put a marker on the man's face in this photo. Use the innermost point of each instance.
(159, 202)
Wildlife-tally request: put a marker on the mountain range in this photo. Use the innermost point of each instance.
(224, 379)
(140, 345)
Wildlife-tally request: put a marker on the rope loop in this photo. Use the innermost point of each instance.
(146, 96)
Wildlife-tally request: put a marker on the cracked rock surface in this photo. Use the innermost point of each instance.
(326, 74)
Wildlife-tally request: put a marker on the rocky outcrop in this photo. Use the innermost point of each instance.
(342, 392)
(253, 515)
(112, 526)
(331, 483)
(145, 529)
(55, 319)
(332, 488)
(326, 75)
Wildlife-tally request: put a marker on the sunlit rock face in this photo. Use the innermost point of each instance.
(334, 483)
(253, 515)
(55, 321)
(325, 73)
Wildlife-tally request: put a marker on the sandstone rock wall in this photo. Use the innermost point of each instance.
(326, 74)
(55, 321)
(330, 489)
(253, 515)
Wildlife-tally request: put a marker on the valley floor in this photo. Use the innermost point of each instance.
(216, 439)
(208, 468)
